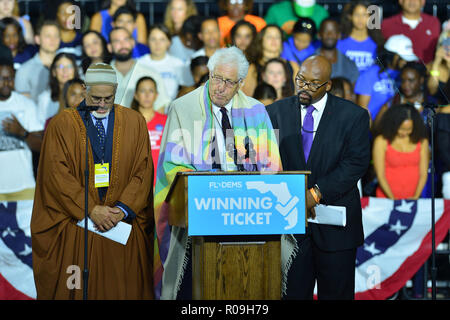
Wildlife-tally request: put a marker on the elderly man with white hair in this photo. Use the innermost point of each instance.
(215, 127)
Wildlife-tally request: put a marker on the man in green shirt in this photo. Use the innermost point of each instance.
(285, 13)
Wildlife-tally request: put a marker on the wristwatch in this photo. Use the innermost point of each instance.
(316, 187)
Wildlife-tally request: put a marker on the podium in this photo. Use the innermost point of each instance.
(235, 221)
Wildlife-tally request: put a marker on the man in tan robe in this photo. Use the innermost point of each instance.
(116, 271)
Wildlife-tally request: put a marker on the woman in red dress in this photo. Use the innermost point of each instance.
(401, 153)
(144, 98)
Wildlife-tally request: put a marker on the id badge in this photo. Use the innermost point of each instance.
(101, 175)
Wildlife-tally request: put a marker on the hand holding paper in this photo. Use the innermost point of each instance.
(332, 215)
(120, 233)
(106, 217)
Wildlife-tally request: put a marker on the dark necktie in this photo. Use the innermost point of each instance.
(100, 133)
(228, 134)
(308, 131)
(225, 122)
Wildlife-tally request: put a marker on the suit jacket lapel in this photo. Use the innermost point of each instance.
(296, 122)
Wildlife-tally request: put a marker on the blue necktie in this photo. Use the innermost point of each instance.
(100, 133)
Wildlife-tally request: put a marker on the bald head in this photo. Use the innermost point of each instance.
(313, 79)
(318, 66)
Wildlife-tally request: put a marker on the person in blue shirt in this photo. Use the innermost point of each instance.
(341, 66)
(125, 17)
(302, 44)
(359, 42)
(70, 35)
(377, 85)
(11, 35)
(102, 21)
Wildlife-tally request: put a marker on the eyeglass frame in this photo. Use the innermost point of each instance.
(227, 82)
(106, 100)
(309, 83)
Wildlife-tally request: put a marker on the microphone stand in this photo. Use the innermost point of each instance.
(87, 110)
(430, 116)
(250, 152)
(86, 213)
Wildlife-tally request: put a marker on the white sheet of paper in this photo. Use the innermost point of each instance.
(333, 215)
(120, 233)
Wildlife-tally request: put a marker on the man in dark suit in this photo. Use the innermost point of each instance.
(328, 136)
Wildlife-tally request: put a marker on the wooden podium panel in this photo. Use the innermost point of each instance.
(245, 269)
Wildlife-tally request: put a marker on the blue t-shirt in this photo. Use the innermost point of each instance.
(381, 87)
(363, 53)
(21, 57)
(107, 20)
(291, 53)
(140, 50)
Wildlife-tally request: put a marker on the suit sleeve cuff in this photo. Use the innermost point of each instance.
(129, 214)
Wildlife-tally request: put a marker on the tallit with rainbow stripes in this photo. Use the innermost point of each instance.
(186, 146)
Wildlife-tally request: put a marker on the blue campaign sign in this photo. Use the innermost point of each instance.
(246, 204)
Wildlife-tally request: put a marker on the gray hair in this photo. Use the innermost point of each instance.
(231, 55)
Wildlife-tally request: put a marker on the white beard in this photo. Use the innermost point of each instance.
(100, 115)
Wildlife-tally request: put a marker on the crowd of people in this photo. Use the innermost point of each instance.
(399, 73)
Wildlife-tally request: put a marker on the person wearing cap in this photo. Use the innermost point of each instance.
(285, 13)
(378, 84)
(119, 191)
(423, 28)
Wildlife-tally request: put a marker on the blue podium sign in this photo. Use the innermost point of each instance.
(246, 204)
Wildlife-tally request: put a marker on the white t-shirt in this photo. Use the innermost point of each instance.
(127, 85)
(16, 162)
(171, 70)
(46, 107)
(412, 23)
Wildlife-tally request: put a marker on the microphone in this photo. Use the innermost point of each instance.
(250, 152)
(232, 152)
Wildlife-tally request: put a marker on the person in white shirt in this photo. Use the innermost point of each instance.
(130, 70)
(16, 176)
(210, 36)
(32, 76)
(50, 101)
(171, 69)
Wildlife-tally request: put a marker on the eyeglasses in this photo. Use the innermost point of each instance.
(62, 66)
(98, 100)
(236, 1)
(311, 85)
(228, 83)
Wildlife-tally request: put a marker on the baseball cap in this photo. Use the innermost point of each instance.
(401, 45)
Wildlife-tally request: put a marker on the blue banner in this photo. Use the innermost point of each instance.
(246, 204)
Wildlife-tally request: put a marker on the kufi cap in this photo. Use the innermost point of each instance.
(100, 73)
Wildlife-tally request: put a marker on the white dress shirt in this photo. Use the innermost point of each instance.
(319, 106)
(219, 135)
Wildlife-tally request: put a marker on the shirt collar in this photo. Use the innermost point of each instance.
(103, 119)
(227, 106)
(319, 105)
